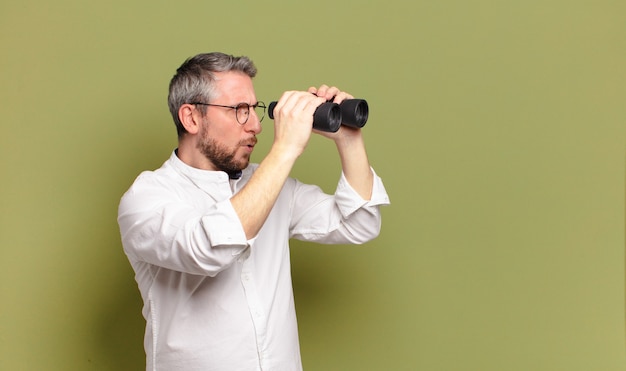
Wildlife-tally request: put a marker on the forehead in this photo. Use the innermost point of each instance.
(234, 87)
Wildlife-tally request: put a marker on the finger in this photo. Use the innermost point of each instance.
(331, 92)
(294, 103)
(323, 92)
(282, 101)
(312, 103)
(306, 104)
(341, 96)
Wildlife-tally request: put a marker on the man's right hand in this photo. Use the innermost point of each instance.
(293, 121)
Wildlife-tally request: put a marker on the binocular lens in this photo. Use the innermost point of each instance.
(327, 117)
(354, 112)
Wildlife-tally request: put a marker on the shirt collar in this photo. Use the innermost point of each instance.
(195, 173)
(199, 173)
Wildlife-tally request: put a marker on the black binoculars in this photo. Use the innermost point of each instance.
(329, 116)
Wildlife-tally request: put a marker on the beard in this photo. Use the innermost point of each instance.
(220, 156)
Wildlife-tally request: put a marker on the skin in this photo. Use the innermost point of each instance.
(217, 142)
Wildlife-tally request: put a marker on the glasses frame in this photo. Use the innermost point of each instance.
(239, 106)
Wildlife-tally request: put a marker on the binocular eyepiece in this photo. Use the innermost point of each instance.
(329, 116)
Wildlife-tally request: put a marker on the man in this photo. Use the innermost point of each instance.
(207, 233)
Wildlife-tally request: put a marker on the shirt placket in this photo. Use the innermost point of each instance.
(259, 319)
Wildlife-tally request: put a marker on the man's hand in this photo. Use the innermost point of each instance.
(293, 121)
(335, 95)
(350, 145)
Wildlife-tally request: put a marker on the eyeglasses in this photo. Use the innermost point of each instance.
(242, 110)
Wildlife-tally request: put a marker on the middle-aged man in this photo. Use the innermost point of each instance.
(208, 233)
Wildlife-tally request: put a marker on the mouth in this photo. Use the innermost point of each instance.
(250, 143)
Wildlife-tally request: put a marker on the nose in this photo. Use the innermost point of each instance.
(254, 123)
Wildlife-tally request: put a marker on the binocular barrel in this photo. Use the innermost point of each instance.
(330, 116)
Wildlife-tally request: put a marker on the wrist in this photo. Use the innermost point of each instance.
(349, 137)
(285, 155)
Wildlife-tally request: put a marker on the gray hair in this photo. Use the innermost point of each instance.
(194, 81)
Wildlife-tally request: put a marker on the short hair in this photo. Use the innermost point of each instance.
(194, 81)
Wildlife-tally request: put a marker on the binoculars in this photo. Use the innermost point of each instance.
(329, 116)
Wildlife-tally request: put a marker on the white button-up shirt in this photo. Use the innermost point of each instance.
(214, 300)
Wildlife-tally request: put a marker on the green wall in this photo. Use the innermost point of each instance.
(498, 127)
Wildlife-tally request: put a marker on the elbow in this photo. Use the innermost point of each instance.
(365, 231)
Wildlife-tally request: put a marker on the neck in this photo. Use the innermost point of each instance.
(187, 153)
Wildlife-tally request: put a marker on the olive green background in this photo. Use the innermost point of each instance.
(497, 126)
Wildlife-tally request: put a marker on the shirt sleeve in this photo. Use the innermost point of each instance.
(348, 200)
(160, 229)
(344, 217)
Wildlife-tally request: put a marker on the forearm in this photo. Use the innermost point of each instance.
(255, 201)
(355, 164)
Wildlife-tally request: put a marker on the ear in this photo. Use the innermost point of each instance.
(190, 118)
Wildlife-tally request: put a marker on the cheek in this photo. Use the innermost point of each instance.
(228, 137)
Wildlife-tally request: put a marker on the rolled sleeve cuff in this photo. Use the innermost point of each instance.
(226, 228)
(348, 200)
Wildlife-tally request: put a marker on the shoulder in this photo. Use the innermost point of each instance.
(151, 184)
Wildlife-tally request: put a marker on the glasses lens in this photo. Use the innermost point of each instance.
(242, 112)
(259, 109)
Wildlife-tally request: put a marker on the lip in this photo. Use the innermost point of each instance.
(249, 146)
